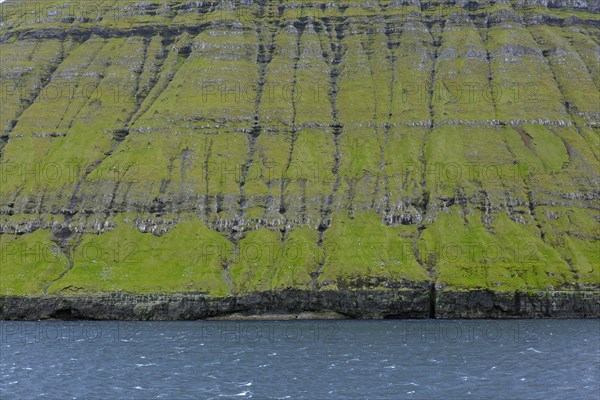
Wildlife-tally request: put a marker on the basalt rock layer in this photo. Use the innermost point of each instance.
(291, 155)
(298, 304)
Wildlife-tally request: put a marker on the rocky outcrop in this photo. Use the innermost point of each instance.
(489, 304)
(356, 304)
(365, 304)
(589, 5)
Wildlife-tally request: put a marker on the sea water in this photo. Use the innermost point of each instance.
(392, 359)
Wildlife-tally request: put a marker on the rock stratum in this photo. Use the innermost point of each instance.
(176, 159)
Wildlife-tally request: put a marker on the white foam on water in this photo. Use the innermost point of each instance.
(242, 394)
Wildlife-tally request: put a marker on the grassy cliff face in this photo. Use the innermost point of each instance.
(244, 146)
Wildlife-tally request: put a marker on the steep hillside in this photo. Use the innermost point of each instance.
(234, 149)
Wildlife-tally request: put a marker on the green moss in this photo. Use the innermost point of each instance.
(29, 263)
(361, 250)
(189, 258)
(548, 147)
(585, 259)
(265, 262)
(466, 254)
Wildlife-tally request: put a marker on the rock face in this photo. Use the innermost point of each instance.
(408, 303)
(589, 5)
(439, 157)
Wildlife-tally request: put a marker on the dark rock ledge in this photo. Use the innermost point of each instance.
(289, 304)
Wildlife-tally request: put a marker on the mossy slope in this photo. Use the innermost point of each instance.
(240, 147)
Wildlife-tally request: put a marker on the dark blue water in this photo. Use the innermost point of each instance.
(525, 359)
